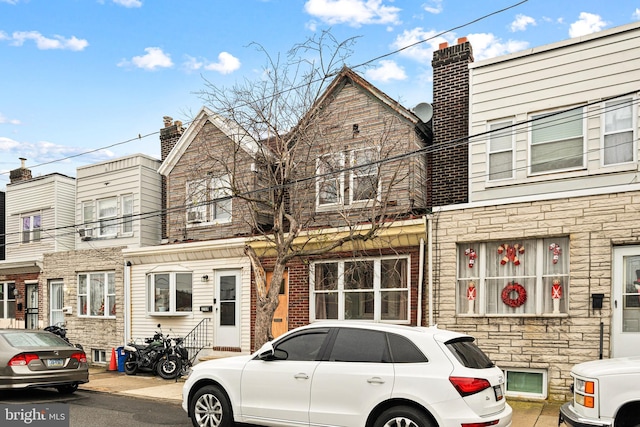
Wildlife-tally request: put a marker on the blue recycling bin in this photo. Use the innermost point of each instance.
(122, 356)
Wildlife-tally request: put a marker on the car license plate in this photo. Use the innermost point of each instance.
(498, 390)
(55, 363)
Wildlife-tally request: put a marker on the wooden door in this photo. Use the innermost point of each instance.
(280, 323)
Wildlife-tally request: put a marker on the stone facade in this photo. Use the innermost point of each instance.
(594, 225)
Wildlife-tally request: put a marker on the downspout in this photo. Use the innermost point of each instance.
(421, 280)
(430, 249)
(127, 302)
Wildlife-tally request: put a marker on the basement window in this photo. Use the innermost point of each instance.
(529, 383)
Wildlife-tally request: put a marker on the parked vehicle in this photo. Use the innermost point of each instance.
(352, 374)
(605, 393)
(181, 354)
(32, 358)
(154, 356)
(60, 329)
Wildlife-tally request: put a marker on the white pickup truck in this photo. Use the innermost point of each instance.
(606, 393)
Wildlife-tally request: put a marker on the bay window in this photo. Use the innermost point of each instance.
(527, 277)
(366, 289)
(97, 294)
(169, 293)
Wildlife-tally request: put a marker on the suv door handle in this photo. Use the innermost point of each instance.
(301, 376)
(375, 380)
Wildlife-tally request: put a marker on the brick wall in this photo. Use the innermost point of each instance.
(450, 153)
(594, 225)
(169, 135)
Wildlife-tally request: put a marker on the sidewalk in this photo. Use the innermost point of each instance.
(149, 386)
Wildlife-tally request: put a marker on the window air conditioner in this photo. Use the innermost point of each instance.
(86, 233)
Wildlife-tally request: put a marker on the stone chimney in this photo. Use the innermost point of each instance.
(169, 135)
(450, 155)
(21, 174)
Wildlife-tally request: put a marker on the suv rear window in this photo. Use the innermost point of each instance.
(468, 353)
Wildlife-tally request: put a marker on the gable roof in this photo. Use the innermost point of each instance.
(231, 129)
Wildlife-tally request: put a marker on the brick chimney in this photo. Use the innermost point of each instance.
(21, 174)
(450, 156)
(169, 135)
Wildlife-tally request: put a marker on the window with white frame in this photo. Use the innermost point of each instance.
(31, 228)
(127, 213)
(88, 217)
(169, 293)
(523, 277)
(500, 150)
(330, 179)
(557, 141)
(526, 383)
(108, 217)
(364, 179)
(366, 289)
(618, 140)
(209, 200)
(97, 294)
(7, 300)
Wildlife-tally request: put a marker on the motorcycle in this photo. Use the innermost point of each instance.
(181, 353)
(60, 329)
(154, 356)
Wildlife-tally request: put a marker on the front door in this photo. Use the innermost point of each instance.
(31, 309)
(625, 338)
(280, 323)
(226, 307)
(56, 302)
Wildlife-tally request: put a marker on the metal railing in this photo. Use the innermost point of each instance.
(197, 339)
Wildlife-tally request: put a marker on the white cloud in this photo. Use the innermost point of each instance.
(154, 58)
(18, 38)
(636, 14)
(129, 3)
(386, 71)
(586, 24)
(422, 52)
(352, 12)
(9, 1)
(433, 6)
(521, 23)
(226, 64)
(487, 45)
(4, 120)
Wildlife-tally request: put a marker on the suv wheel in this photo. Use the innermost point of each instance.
(403, 416)
(211, 408)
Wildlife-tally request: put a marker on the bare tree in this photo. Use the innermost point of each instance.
(285, 172)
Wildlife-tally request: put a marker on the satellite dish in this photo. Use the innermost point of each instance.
(424, 111)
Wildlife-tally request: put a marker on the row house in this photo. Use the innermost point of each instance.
(361, 159)
(39, 218)
(542, 263)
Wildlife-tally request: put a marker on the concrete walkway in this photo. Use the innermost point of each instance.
(147, 385)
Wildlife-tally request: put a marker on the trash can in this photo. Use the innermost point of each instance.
(122, 356)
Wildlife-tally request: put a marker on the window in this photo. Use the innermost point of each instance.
(169, 293)
(618, 132)
(108, 217)
(97, 294)
(364, 179)
(87, 219)
(360, 345)
(209, 200)
(557, 141)
(301, 347)
(31, 228)
(368, 289)
(529, 277)
(526, 383)
(330, 183)
(127, 214)
(99, 356)
(500, 151)
(7, 300)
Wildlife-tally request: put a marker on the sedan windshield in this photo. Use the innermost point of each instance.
(30, 340)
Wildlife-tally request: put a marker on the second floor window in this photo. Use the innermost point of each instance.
(557, 141)
(97, 294)
(617, 136)
(365, 180)
(330, 183)
(127, 214)
(500, 150)
(108, 217)
(31, 228)
(209, 201)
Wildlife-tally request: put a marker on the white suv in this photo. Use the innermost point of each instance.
(352, 374)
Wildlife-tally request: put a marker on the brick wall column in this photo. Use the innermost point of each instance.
(169, 135)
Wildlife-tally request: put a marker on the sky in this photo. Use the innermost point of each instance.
(86, 81)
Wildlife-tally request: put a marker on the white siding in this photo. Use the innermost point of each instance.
(574, 72)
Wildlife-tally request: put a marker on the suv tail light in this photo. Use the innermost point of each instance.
(22, 359)
(468, 386)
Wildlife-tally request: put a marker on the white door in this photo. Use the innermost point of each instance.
(625, 337)
(226, 307)
(56, 302)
